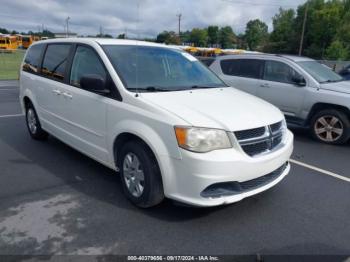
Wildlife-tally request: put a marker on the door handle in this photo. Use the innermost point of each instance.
(265, 85)
(57, 92)
(67, 95)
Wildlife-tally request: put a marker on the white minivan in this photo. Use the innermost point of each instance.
(157, 115)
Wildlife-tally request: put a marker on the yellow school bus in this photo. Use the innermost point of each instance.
(19, 41)
(8, 42)
(27, 40)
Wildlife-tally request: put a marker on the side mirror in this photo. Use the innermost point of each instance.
(94, 83)
(299, 80)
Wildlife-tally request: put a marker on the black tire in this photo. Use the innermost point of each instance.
(152, 193)
(329, 114)
(36, 133)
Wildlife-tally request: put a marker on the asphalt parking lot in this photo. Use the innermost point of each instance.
(54, 200)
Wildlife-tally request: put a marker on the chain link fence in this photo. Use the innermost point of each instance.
(10, 61)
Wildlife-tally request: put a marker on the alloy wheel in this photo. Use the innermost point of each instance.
(133, 175)
(31, 120)
(328, 128)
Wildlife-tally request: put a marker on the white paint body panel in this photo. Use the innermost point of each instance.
(91, 123)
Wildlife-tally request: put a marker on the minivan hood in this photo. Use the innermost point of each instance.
(224, 108)
(343, 86)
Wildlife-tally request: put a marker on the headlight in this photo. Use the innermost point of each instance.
(202, 140)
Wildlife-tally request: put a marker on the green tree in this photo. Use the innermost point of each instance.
(121, 36)
(227, 37)
(241, 41)
(323, 26)
(186, 37)
(199, 37)
(256, 34)
(168, 38)
(283, 34)
(213, 35)
(4, 31)
(337, 51)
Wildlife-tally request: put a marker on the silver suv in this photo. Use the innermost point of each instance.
(308, 93)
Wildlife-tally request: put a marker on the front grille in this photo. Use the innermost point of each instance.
(235, 188)
(276, 127)
(256, 148)
(260, 140)
(263, 180)
(251, 133)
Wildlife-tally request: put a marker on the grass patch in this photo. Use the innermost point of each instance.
(10, 63)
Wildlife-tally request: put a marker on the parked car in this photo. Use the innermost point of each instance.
(310, 94)
(345, 72)
(157, 115)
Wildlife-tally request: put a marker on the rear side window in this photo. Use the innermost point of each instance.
(55, 61)
(86, 62)
(208, 61)
(32, 59)
(279, 72)
(250, 68)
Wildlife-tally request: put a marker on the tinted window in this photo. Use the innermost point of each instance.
(279, 72)
(32, 59)
(86, 62)
(230, 67)
(55, 61)
(249, 68)
(207, 61)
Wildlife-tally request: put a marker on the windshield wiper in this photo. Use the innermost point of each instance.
(203, 87)
(150, 89)
(331, 81)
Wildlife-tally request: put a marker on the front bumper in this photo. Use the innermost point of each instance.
(186, 179)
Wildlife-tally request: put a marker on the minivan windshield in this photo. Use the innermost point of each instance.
(157, 69)
(321, 73)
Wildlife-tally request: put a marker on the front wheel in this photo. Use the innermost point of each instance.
(331, 126)
(33, 124)
(140, 175)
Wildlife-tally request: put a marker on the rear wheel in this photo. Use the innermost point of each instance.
(140, 175)
(331, 126)
(33, 124)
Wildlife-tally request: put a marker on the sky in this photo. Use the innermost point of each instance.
(137, 18)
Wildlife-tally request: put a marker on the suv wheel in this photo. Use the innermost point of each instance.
(33, 124)
(331, 127)
(140, 175)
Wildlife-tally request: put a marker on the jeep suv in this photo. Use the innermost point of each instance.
(310, 94)
(157, 115)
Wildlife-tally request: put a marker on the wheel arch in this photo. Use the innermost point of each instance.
(149, 137)
(27, 97)
(323, 106)
(26, 102)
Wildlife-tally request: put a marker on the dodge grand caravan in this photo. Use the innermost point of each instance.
(157, 115)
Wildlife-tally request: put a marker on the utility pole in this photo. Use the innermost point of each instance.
(179, 16)
(303, 30)
(67, 26)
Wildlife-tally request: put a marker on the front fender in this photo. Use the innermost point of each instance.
(27, 93)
